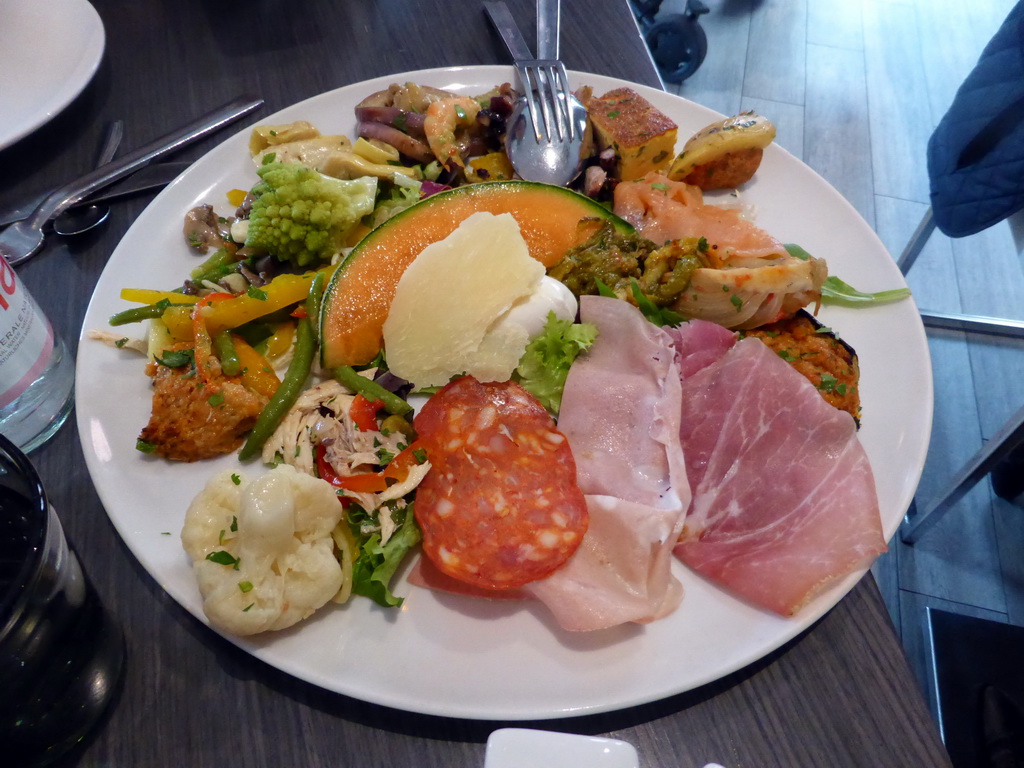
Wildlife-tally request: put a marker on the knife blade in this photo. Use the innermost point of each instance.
(151, 177)
(507, 28)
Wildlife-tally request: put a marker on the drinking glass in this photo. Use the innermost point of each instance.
(61, 653)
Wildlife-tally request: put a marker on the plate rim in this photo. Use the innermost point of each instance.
(94, 43)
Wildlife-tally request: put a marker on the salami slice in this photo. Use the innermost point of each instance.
(500, 506)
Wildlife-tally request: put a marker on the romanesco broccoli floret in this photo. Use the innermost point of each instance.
(300, 215)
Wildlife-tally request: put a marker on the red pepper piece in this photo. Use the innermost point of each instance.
(364, 413)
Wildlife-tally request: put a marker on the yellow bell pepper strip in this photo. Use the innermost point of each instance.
(278, 342)
(279, 293)
(286, 395)
(257, 374)
(178, 319)
(150, 296)
(236, 196)
(203, 338)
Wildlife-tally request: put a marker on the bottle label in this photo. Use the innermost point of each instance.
(26, 338)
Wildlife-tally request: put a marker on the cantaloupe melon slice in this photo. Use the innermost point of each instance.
(357, 300)
(443, 319)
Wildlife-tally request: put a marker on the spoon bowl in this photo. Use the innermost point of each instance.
(75, 221)
(552, 161)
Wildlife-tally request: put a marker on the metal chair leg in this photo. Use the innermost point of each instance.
(917, 242)
(994, 326)
(916, 524)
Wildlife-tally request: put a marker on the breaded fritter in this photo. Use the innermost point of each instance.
(191, 421)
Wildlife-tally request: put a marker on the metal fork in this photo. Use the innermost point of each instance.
(545, 83)
(552, 151)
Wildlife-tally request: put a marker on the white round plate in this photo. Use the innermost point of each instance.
(71, 33)
(471, 658)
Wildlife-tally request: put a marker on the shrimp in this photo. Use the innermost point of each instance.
(448, 125)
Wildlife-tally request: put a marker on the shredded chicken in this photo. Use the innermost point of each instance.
(321, 417)
(118, 340)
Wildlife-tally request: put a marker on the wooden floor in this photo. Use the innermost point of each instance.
(856, 88)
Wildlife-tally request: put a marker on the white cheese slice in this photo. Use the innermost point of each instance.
(444, 319)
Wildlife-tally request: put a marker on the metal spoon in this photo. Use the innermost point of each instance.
(75, 221)
(554, 159)
(552, 162)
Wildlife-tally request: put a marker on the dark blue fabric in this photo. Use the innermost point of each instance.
(976, 154)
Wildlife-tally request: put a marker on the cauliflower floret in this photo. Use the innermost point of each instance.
(300, 215)
(262, 552)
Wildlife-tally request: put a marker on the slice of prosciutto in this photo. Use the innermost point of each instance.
(620, 412)
(784, 500)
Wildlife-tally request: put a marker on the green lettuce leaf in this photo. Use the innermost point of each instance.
(376, 565)
(546, 361)
(835, 291)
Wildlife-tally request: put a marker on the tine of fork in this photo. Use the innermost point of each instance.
(546, 97)
(564, 95)
(560, 93)
(526, 75)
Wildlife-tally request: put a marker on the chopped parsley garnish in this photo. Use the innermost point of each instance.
(245, 586)
(237, 481)
(215, 399)
(736, 302)
(234, 524)
(223, 557)
(142, 445)
(121, 342)
(255, 293)
(420, 455)
(269, 158)
(177, 358)
(830, 383)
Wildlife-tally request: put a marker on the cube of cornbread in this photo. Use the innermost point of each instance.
(643, 137)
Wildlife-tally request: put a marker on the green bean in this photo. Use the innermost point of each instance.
(316, 295)
(371, 390)
(138, 314)
(221, 263)
(287, 393)
(224, 348)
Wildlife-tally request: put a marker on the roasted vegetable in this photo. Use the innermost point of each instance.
(300, 215)
(724, 154)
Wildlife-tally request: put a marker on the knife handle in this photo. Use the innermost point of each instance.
(548, 12)
(84, 186)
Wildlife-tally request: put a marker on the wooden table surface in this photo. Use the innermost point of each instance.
(841, 694)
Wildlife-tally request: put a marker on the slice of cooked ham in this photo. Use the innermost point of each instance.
(620, 412)
(784, 500)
